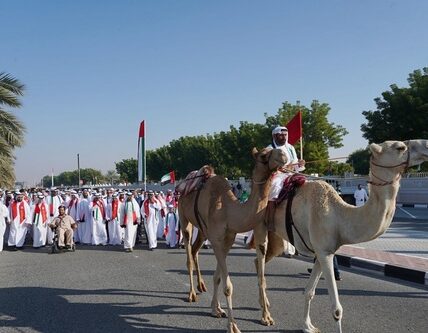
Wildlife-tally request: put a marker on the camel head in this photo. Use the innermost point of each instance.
(270, 158)
(399, 154)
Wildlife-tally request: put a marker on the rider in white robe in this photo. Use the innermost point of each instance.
(20, 218)
(129, 219)
(40, 221)
(150, 212)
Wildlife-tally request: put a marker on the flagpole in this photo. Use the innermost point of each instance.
(144, 159)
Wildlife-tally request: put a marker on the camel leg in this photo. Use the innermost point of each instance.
(221, 249)
(268, 246)
(196, 246)
(187, 230)
(326, 262)
(309, 295)
(216, 310)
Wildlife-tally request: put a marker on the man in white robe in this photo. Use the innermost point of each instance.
(360, 196)
(4, 219)
(99, 231)
(40, 221)
(54, 201)
(113, 210)
(160, 233)
(129, 217)
(150, 211)
(85, 219)
(20, 218)
(73, 210)
(172, 222)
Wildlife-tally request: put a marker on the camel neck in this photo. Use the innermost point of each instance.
(371, 220)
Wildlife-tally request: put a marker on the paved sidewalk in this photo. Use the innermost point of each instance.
(402, 252)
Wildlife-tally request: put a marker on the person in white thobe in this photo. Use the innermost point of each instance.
(160, 233)
(4, 218)
(73, 210)
(99, 231)
(172, 222)
(129, 217)
(360, 196)
(85, 219)
(20, 218)
(280, 141)
(113, 210)
(150, 212)
(40, 221)
(54, 201)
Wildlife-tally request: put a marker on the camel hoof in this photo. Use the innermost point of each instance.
(202, 287)
(218, 313)
(192, 297)
(233, 328)
(267, 320)
(313, 329)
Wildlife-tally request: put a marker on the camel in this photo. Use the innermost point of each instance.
(325, 222)
(216, 212)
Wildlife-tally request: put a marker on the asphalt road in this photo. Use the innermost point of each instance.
(103, 289)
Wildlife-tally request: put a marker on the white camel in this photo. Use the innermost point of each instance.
(325, 222)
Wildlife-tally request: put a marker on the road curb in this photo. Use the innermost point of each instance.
(382, 268)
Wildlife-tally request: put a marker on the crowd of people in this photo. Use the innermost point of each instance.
(87, 216)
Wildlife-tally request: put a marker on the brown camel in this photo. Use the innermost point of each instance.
(325, 222)
(216, 212)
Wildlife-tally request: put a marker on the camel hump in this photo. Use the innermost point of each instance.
(194, 179)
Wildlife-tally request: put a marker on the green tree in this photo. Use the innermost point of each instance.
(111, 176)
(128, 170)
(360, 161)
(402, 113)
(71, 178)
(11, 129)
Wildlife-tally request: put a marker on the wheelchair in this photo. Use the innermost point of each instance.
(55, 248)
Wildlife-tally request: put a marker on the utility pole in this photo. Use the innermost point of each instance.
(78, 167)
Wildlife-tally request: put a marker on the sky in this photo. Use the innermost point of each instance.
(93, 70)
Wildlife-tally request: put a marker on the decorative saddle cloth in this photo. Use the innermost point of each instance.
(289, 187)
(194, 179)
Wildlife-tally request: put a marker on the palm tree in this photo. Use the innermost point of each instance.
(11, 128)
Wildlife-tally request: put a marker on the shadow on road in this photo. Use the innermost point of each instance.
(48, 310)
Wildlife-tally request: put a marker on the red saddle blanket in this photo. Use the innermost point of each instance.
(289, 187)
(194, 179)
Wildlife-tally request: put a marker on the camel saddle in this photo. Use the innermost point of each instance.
(194, 180)
(288, 192)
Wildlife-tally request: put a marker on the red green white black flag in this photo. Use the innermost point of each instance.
(141, 156)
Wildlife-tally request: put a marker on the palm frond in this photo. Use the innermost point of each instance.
(10, 83)
(12, 130)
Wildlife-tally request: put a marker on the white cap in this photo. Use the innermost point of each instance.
(279, 130)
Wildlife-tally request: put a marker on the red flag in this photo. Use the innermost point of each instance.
(294, 127)
(172, 176)
(141, 155)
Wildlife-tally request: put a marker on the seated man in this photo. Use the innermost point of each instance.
(65, 225)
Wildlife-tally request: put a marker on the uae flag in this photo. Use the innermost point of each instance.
(141, 156)
(294, 127)
(168, 178)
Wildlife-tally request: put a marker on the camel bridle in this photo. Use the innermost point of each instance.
(386, 182)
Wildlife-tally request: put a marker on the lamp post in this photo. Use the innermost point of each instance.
(78, 167)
